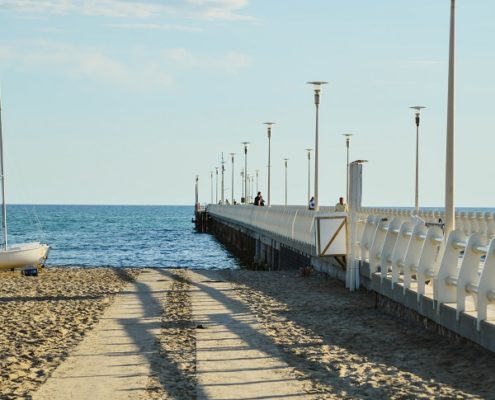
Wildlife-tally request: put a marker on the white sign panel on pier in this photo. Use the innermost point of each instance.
(331, 235)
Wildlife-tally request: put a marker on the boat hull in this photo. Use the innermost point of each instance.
(27, 255)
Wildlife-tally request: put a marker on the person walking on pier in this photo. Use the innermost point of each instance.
(311, 205)
(258, 200)
(340, 206)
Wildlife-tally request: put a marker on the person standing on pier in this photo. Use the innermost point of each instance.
(258, 200)
(340, 206)
(311, 205)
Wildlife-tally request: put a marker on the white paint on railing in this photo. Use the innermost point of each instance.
(368, 235)
(469, 272)
(377, 245)
(413, 253)
(400, 250)
(429, 260)
(388, 246)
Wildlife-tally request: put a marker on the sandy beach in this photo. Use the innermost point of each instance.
(42, 318)
(336, 344)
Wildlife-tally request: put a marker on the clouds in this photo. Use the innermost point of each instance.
(229, 10)
(105, 8)
(137, 69)
(109, 49)
(86, 63)
(157, 27)
(231, 62)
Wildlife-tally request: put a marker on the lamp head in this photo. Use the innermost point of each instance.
(417, 108)
(317, 85)
(418, 112)
(317, 89)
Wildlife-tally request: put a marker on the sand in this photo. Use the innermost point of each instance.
(336, 344)
(43, 318)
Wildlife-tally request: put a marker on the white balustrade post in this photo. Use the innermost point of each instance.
(355, 170)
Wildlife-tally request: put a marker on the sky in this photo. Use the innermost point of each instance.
(126, 102)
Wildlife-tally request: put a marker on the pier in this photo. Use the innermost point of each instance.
(444, 281)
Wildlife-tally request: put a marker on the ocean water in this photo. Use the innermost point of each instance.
(118, 236)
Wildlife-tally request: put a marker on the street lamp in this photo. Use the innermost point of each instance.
(347, 143)
(309, 173)
(211, 186)
(242, 185)
(245, 172)
(223, 186)
(449, 156)
(257, 181)
(269, 126)
(232, 191)
(416, 191)
(251, 186)
(216, 187)
(285, 161)
(196, 191)
(317, 89)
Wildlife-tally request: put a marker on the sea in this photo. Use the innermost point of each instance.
(118, 236)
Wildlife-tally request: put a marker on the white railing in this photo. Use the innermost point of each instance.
(467, 222)
(292, 222)
(459, 271)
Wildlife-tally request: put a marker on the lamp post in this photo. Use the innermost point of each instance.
(416, 190)
(242, 185)
(211, 186)
(245, 172)
(269, 128)
(196, 191)
(251, 186)
(317, 89)
(257, 181)
(347, 143)
(449, 156)
(216, 186)
(232, 191)
(223, 185)
(309, 173)
(285, 162)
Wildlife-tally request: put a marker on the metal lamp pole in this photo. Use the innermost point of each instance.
(257, 181)
(211, 186)
(196, 191)
(251, 187)
(242, 185)
(216, 186)
(347, 143)
(245, 173)
(269, 126)
(232, 191)
(285, 161)
(416, 191)
(309, 173)
(317, 89)
(449, 157)
(223, 185)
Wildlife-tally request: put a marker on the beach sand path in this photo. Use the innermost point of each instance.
(234, 359)
(113, 361)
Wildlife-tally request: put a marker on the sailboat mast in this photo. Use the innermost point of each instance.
(2, 178)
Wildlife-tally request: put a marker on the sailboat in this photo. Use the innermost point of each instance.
(21, 256)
